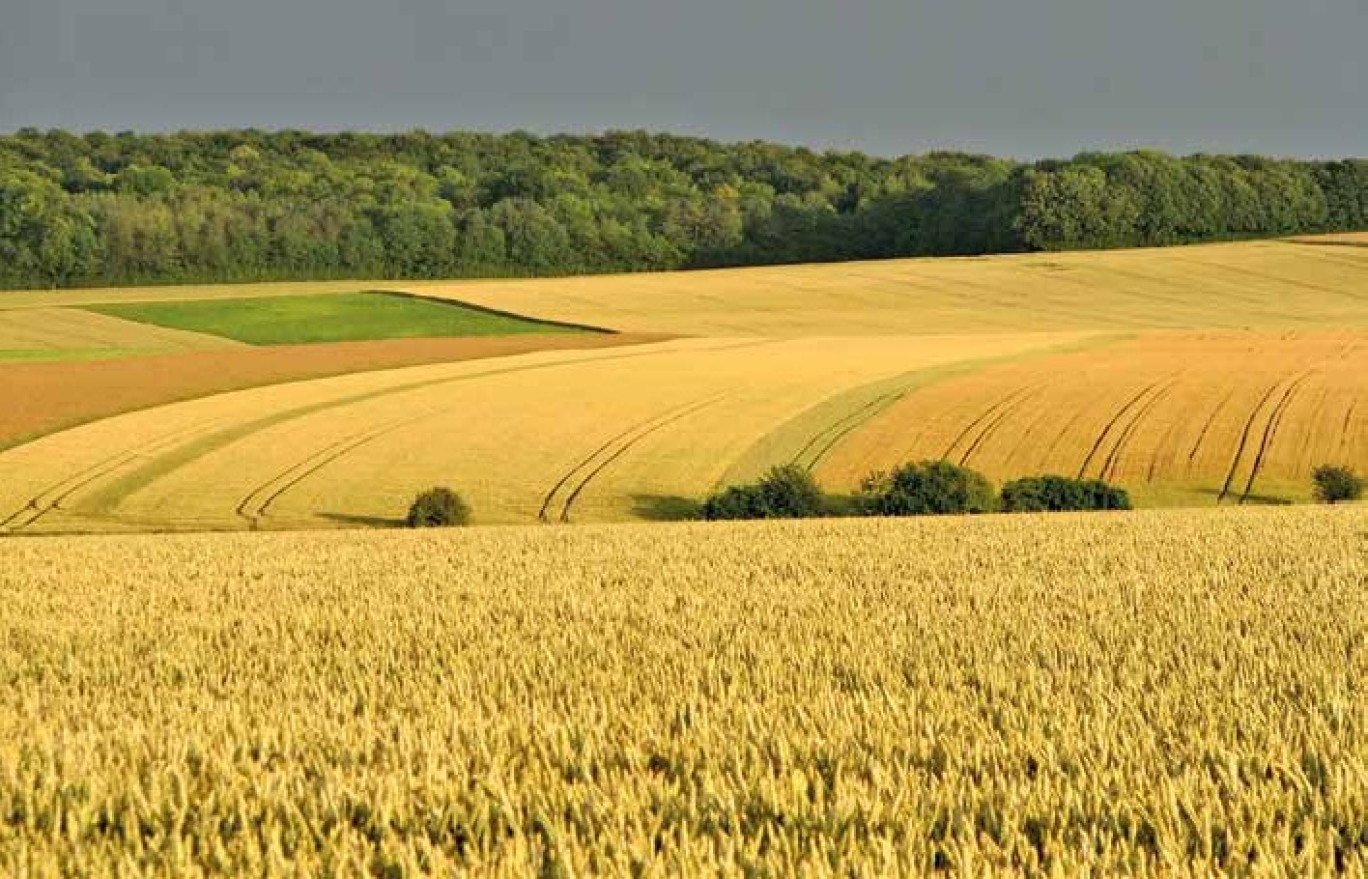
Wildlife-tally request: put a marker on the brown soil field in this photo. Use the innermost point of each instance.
(42, 397)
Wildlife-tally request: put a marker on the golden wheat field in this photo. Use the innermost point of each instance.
(550, 436)
(1225, 417)
(55, 333)
(1258, 284)
(1162, 693)
(1190, 375)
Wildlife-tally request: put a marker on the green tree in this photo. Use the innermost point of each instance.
(927, 488)
(1336, 484)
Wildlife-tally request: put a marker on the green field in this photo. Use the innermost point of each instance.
(344, 317)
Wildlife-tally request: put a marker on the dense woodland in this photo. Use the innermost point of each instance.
(251, 205)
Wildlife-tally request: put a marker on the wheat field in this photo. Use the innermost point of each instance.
(1165, 693)
(59, 333)
(1196, 418)
(1190, 375)
(1254, 284)
(552, 436)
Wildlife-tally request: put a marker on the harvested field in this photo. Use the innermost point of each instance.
(179, 293)
(1156, 693)
(1244, 284)
(42, 397)
(69, 333)
(1195, 418)
(1248, 284)
(558, 436)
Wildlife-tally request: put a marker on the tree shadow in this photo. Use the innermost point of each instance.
(363, 521)
(666, 507)
(1258, 500)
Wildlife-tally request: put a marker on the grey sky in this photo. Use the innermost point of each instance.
(1010, 77)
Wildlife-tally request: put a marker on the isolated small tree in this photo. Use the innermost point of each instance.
(787, 492)
(927, 488)
(1335, 484)
(438, 508)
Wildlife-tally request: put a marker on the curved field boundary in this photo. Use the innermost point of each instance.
(810, 437)
(496, 312)
(108, 496)
(44, 398)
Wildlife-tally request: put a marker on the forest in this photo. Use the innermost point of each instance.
(108, 209)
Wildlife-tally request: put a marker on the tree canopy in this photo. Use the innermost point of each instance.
(253, 205)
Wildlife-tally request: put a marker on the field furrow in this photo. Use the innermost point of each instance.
(1245, 409)
(614, 434)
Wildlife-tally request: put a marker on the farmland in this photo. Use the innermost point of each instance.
(342, 317)
(1192, 376)
(565, 436)
(1154, 693)
(1226, 417)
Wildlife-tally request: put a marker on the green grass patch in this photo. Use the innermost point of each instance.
(338, 317)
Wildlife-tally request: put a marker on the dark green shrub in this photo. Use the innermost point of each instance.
(927, 488)
(437, 508)
(1039, 494)
(1335, 484)
(787, 492)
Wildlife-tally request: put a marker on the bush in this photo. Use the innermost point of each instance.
(1335, 484)
(787, 492)
(927, 488)
(438, 508)
(1039, 494)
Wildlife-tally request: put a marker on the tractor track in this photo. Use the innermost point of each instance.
(1113, 460)
(1244, 439)
(52, 497)
(1271, 429)
(991, 427)
(983, 416)
(620, 445)
(39, 505)
(1130, 404)
(839, 429)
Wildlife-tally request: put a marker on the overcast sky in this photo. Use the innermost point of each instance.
(1024, 78)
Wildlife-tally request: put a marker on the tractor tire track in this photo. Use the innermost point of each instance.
(1244, 439)
(1207, 425)
(544, 514)
(1116, 419)
(982, 417)
(992, 427)
(1109, 466)
(52, 497)
(843, 426)
(35, 508)
(1271, 429)
(627, 446)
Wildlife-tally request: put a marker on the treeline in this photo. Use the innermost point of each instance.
(250, 205)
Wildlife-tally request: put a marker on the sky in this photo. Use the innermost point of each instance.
(1018, 78)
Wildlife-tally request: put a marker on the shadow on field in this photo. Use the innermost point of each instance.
(1262, 500)
(363, 521)
(666, 507)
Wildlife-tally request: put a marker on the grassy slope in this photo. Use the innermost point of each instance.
(344, 317)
